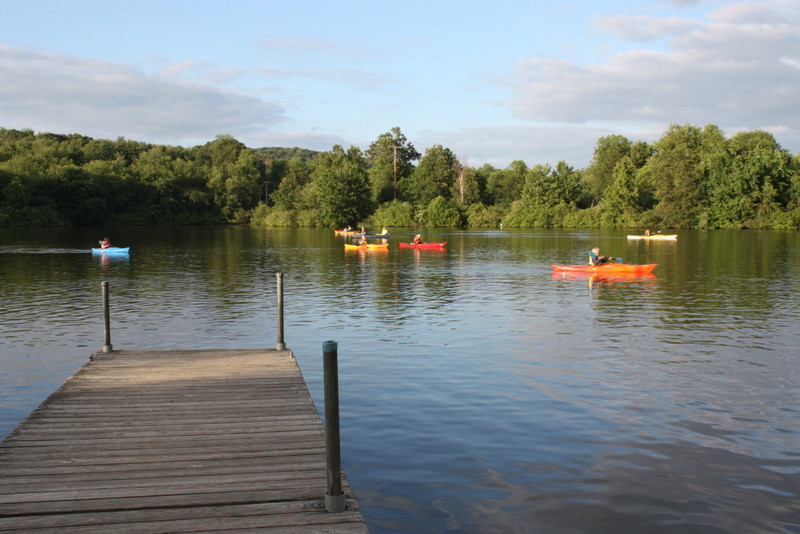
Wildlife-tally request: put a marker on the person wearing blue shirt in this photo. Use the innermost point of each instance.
(595, 258)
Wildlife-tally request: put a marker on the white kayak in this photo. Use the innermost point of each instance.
(656, 237)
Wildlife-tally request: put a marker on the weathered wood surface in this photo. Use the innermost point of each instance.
(173, 441)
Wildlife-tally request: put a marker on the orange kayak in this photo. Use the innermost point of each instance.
(606, 268)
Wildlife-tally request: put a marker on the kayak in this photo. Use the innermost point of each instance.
(602, 275)
(111, 250)
(341, 232)
(423, 245)
(606, 268)
(384, 246)
(656, 237)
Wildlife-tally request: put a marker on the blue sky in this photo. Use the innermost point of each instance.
(536, 81)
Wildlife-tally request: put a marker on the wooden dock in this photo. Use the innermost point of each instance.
(173, 441)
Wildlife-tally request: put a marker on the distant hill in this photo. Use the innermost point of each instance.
(286, 153)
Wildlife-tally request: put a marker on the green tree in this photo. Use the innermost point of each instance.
(289, 194)
(172, 187)
(505, 186)
(466, 187)
(341, 187)
(621, 205)
(221, 151)
(640, 153)
(235, 178)
(600, 173)
(433, 177)
(243, 187)
(444, 212)
(129, 150)
(679, 169)
(390, 158)
(548, 197)
(749, 181)
(550, 187)
(394, 213)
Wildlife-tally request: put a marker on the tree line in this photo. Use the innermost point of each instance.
(691, 177)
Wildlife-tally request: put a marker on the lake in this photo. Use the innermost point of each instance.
(480, 391)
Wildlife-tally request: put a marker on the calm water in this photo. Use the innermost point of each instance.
(480, 392)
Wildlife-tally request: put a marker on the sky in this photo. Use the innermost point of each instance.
(495, 82)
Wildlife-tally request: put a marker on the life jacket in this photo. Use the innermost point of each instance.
(593, 259)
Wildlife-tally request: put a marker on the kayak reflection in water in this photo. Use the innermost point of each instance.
(595, 258)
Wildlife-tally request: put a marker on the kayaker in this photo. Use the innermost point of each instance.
(105, 243)
(595, 258)
(647, 232)
(418, 239)
(384, 231)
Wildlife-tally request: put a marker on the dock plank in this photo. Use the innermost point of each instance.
(173, 441)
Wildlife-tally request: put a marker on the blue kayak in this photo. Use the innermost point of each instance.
(111, 250)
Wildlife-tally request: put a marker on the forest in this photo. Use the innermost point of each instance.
(692, 177)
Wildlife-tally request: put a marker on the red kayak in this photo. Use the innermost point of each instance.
(423, 245)
(606, 268)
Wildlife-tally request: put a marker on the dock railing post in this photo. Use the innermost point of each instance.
(106, 319)
(280, 345)
(334, 498)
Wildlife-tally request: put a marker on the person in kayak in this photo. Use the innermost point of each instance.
(105, 243)
(384, 231)
(418, 239)
(595, 258)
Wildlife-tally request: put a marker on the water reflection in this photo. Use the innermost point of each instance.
(599, 280)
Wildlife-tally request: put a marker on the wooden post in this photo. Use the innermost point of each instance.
(106, 319)
(280, 345)
(334, 498)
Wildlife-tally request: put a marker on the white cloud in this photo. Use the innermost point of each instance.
(734, 75)
(643, 28)
(771, 12)
(51, 92)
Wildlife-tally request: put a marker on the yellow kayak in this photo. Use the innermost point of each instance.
(368, 246)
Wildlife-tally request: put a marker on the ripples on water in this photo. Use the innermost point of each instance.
(480, 392)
